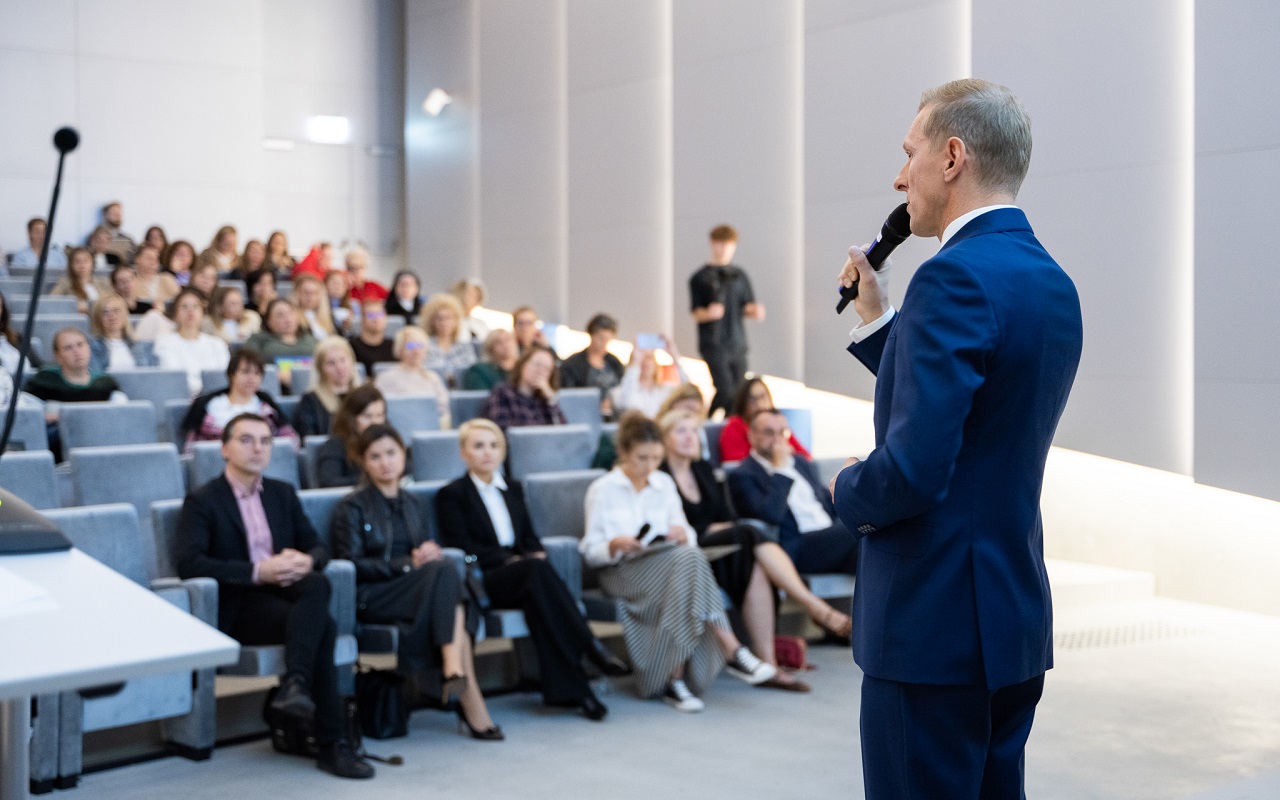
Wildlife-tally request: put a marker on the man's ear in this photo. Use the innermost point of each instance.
(957, 157)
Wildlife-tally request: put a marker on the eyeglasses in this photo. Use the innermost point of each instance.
(374, 314)
(414, 345)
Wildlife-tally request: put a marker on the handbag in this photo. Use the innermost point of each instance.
(381, 704)
(791, 651)
(473, 576)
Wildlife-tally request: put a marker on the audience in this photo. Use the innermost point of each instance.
(80, 282)
(362, 287)
(448, 352)
(371, 345)
(532, 397)
(470, 292)
(9, 341)
(405, 299)
(282, 340)
(124, 281)
(410, 377)
(154, 285)
(69, 380)
(155, 237)
(642, 388)
(189, 347)
(111, 342)
(209, 413)
(29, 256)
(278, 258)
(253, 258)
(337, 460)
(204, 279)
(781, 487)
(262, 290)
(178, 259)
(403, 578)
(309, 295)
(752, 396)
(486, 516)
(342, 307)
(596, 366)
(221, 252)
(638, 539)
(229, 319)
(334, 375)
(121, 244)
(500, 356)
(249, 533)
(99, 244)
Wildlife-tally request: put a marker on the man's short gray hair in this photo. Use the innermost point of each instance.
(993, 125)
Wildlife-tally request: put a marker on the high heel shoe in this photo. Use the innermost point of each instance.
(490, 734)
(451, 690)
(836, 623)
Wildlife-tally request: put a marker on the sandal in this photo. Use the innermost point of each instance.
(835, 622)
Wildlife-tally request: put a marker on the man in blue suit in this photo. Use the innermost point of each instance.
(952, 616)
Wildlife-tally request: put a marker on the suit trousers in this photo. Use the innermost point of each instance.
(728, 370)
(922, 742)
(560, 635)
(298, 616)
(831, 549)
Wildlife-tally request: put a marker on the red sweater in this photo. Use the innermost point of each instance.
(734, 445)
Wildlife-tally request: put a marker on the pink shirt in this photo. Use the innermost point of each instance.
(256, 530)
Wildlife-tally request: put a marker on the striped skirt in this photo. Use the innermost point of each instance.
(670, 601)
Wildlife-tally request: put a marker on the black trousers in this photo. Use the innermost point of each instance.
(558, 631)
(298, 616)
(829, 550)
(923, 742)
(728, 370)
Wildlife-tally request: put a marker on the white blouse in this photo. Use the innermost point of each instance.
(614, 508)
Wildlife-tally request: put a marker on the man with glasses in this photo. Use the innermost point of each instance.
(250, 534)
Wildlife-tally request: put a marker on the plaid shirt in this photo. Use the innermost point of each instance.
(509, 408)
(453, 363)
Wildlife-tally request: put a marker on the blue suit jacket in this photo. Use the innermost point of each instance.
(758, 495)
(972, 376)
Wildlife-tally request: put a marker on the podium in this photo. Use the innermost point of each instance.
(68, 622)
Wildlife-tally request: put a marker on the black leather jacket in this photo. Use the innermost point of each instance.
(361, 533)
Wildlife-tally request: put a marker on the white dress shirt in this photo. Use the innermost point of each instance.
(803, 502)
(496, 504)
(614, 508)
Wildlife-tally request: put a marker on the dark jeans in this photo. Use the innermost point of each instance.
(298, 616)
(728, 370)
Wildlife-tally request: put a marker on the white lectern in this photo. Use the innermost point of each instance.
(67, 622)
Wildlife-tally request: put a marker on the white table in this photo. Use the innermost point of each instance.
(91, 627)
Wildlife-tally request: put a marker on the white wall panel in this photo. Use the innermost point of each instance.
(49, 25)
(224, 33)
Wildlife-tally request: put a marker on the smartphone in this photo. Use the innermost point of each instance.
(650, 341)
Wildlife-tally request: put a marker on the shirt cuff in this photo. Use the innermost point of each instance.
(862, 332)
(255, 574)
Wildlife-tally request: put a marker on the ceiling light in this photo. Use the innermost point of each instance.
(436, 100)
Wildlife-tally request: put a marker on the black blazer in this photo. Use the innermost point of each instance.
(361, 533)
(465, 524)
(758, 495)
(211, 537)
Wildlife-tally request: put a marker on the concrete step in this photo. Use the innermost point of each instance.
(1075, 583)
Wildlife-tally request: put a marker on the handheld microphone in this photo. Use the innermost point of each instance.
(895, 231)
(644, 529)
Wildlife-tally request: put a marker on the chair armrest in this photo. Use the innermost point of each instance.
(202, 596)
(562, 552)
(771, 532)
(342, 595)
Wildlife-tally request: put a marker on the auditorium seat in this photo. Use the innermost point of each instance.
(549, 448)
(158, 386)
(207, 463)
(465, 405)
(582, 406)
(32, 477)
(409, 414)
(29, 429)
(101, 424)
(557, 510)
(713, 430)
(60, 306)
(308, 461)
(48, 324)
(436, 456)
(138, 474)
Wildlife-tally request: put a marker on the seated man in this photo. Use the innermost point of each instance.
(250, 534)
(778, 487)
(371, 345)
(30, 257)
(68, 380)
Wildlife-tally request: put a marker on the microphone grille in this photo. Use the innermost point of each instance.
(899, 221)
(66, 140)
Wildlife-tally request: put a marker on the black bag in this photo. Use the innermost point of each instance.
(383, 710)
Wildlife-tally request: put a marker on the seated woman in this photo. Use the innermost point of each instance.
(210, 413)
(752, 395)
(312, 300)
(449, 351)
(188, 347)
(278, 258)
(177, 259)
(111, 343)
(154, 285)
(334, 370)
(530, 398)
(500, 355)
(672, 619)
(282, 339)
(409, 376)
(80, 282)
(405, 299)
(336, 465)
(486, 516)
(470, 292)
(595, 366)
(221, 252)
(688, 397)
(253, 257)
(343, 307)
(261, 285)
(404, 578)
(642, 388)
(228, 319)
(759, 562)
(124, 281)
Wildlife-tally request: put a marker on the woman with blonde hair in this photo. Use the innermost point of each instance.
(80, 282)
(641, 388)
(410, 376)
(312, 300)
(153, 284)
(111, 342)
(229, 319)
(471, 293)
(449, 351)
(222, 250)
(334, 370)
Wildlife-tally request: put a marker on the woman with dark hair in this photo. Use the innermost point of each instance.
(80, 282)
(154, 285)
(486, 516)
(210, 413)
(190, 348)
(596, 366)
(338, 462)
(261, 285)
(406, 296)
(278, 258)
(638, 539)
(229, 319)
(531, 397)
(9, 340)
(403, 578)
(282, 337)
(155, 237)
(178, 259)
(752, 396)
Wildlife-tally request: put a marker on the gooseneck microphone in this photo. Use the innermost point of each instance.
(66, 140)
(895, 231)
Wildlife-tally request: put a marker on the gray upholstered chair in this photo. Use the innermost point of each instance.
(465, 405)
(159, 386)
(62, 306)
(207, 462)
(101, 424)
(31, 476)
(48, 324)
(550, 448)
(266, 660)
(301, 381)
(383, 366)
(713, 430)
(309, 461)
(138, 474)
(436, 456)
(288, 404)
(409, 414)
(582, 406)
(185, 700)
(557, 509)
(29, 429)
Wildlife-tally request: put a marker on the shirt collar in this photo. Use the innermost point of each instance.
(769, 466)
(497, 483)
(964, 219)
(621, 478)
(241, 490)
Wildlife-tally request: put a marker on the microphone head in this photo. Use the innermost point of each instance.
(899, 222)
(66, 140)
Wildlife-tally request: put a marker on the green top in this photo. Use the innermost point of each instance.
(270, 346)
(484, 376)
(49, 384)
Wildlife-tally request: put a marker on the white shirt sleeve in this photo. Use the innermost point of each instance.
(862, 332)
(594, 546)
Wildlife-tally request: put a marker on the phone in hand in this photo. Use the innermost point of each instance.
(650, 341)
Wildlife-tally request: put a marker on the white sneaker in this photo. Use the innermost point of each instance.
(745, 666)
(680, 698)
